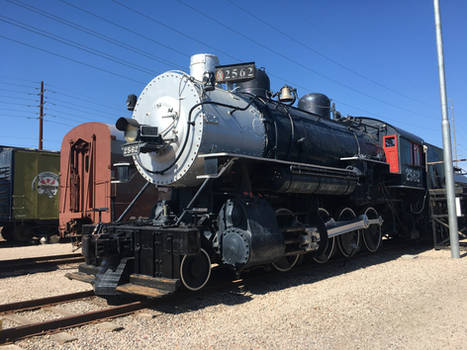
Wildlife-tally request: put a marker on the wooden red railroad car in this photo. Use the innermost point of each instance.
(90, 179)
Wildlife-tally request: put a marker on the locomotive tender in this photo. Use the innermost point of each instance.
(254, 180)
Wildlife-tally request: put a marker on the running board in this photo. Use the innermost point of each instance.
(337, 228)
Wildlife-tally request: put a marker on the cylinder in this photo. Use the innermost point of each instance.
(201, 63)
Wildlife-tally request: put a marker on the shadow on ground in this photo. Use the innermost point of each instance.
(224, 289)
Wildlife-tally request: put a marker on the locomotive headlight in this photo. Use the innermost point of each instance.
(131, 133)
(130, 127)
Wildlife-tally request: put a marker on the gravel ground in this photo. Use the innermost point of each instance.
(404, 300)
(39, 285)
(36, 250)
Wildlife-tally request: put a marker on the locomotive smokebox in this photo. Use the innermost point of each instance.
(201, 63)
(316, 103)
(260, 86)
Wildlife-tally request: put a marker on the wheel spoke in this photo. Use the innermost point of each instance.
(372, 235)
(348, 243)
(286, 263)
(330, 248)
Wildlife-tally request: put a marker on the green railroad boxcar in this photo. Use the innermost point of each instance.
(29, 184)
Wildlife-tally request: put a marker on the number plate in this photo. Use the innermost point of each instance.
(235, 73)
(131, 149)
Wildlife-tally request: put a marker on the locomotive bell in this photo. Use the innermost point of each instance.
(286, 94)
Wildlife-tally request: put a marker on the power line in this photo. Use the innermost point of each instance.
(16, 104)
(326, 57)
(71, 59)
(74, 117)
(373, 114)
(211, 47)
(175, 30)
(74, 97)
(76, 62)
(67, 118)
(204, 43)
(12, 110)
(285, 57)
(15, 116)
(86, 110)
(77, 97)
(18, 92)
(93, 33)
(189, 37)
(74, 112)
(19, 85)
(59, 123)
(14, 97)
(28, 138)
(75, 44)
(18, 137)
(216, 49)
(91, 113)
(76, 120)
(19, 79)
(140, 35)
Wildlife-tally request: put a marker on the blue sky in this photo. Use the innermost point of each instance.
(375, 58)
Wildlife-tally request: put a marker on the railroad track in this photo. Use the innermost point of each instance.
(222, 284)
(40, 261)
(10, 335)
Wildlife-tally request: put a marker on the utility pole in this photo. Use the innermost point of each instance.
(41, 116)
(454, 132)
(448, 168)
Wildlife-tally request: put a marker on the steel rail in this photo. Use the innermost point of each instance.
(47, 301)
(13, 334)
(7, 265)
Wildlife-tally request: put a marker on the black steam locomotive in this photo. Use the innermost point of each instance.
(254, 180)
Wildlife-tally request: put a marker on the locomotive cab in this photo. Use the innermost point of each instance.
(406, 160)
(403, 152)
